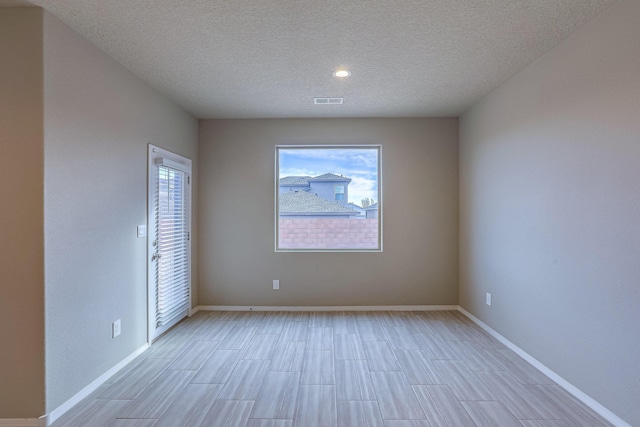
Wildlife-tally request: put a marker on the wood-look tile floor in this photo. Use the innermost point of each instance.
(346, 369)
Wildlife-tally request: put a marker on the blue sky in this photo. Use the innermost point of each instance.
(359, 164)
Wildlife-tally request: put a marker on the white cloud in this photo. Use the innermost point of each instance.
(361, 188)
(298, 172)
(355, 157)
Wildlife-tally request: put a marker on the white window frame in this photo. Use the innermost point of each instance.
(328, 146)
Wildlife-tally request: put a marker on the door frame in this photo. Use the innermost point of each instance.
(177, 162)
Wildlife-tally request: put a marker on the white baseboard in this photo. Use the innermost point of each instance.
(576, 392)
(62, 409)
(193, 311)
(327, 308)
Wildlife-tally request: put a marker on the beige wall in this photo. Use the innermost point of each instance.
(21, 223)
(99, 118)
(550, 209)
(419, 264)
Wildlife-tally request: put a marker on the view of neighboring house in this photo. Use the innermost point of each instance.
(371, 211)
(301, 204)
(359, 209)
(294, 183)
(329, 186)
(320, 196)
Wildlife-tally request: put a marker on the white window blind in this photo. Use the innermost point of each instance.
(172, 266)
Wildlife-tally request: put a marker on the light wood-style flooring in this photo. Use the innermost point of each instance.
(347, 369)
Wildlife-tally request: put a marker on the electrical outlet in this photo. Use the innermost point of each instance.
(116, 328)
(488, 298)
(276, 284)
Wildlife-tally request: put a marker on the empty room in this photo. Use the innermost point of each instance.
(320, 213)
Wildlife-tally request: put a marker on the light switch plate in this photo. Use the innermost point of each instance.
(142, 231)
(488, 299)
(276, 284)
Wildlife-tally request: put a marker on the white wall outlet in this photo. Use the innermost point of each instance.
(116, 328)
(142, 231)
(276, 284)
(488, 298)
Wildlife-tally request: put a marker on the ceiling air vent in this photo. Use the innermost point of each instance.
(327, 101)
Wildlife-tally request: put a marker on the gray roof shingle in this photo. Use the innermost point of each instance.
(295, 180)
(302, 202)
(330, 177)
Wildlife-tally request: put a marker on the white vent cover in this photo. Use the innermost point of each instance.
(327, 101)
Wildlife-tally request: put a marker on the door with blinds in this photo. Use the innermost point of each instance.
(169, 237)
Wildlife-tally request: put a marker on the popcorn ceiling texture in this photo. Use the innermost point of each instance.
(259, 59)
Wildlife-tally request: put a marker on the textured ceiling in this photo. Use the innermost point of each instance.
(259, 59)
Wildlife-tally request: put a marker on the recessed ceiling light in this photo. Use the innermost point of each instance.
(341, 74)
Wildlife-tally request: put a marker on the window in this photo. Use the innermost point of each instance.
(328, 198)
